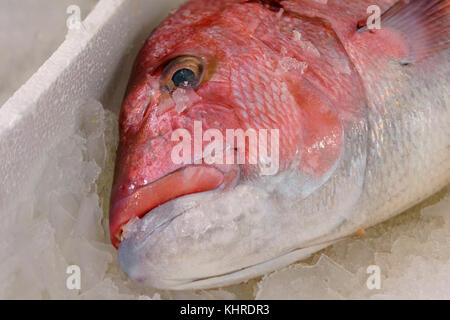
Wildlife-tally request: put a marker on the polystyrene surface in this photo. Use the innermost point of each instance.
(85, 66)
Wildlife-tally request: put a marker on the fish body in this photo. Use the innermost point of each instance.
(362, 114)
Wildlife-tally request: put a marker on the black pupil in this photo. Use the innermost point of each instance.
(184, 78)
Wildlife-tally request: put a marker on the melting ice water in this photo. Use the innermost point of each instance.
(63, 221)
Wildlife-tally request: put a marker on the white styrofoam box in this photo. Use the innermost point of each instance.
(92, 63)
(31, 31)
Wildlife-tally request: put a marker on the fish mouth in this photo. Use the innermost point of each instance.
(156, 250)
(184, 181)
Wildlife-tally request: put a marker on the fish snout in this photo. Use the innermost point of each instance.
(140, 188)
(164, 156)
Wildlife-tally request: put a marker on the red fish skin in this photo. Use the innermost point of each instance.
(293, 70)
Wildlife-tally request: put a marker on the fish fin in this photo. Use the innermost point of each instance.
(424, 23)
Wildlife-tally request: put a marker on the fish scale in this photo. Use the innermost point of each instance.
(412, 147)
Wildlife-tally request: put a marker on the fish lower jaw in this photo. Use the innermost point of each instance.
(182, 182)
(233, 277)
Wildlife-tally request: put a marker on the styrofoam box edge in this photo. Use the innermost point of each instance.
(82, 68)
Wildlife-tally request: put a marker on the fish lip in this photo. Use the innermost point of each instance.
(149, 225)
(131, 206)
(225, 279)
(160, 220)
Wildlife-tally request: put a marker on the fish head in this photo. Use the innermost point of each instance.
(183, 217)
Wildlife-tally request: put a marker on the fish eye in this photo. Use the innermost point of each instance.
(184, 72)
(184, 78)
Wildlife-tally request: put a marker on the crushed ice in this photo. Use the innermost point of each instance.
(63, 221)
(184, 99)
(291, 64)
(306, 45)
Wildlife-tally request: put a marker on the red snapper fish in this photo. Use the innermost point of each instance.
(350, 99)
